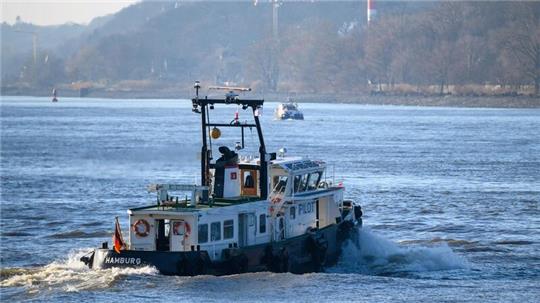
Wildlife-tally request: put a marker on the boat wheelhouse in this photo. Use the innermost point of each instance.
(249, 213)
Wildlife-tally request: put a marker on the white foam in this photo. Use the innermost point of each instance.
(70, 275)
(377, 255)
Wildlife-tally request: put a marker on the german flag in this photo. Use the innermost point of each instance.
(117, 239)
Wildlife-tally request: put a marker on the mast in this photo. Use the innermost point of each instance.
(201, 106)
(262, 154)
(204, 147)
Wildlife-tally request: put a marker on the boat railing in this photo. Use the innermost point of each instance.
(198, 193)
(277, 199)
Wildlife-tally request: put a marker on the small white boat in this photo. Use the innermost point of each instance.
(288, 111)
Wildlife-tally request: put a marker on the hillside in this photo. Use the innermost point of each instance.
(471, 48)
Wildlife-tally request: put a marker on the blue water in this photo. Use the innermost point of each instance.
(451, 199)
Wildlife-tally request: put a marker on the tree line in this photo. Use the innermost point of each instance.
(467, 45)
(452, 47)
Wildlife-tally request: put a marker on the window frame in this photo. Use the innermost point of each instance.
(276, 180)
(226, 225)
(199, 233)
(302, 184)
(262, 224)
(319, 175)
(218, 229)
(248, 173)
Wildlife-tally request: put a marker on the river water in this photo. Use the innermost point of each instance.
(450, 196)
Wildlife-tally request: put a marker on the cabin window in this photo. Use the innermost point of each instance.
(297, 181)
(300, 183)
(228, 229)
(280, 184)
(167, 225)
(249, 180)
(314, 179)
(304, 183)
(203, 233)
(262, 224)
(292, 213)
(215, 231)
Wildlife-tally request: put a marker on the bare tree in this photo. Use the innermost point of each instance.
(262, 61)
(522, 41)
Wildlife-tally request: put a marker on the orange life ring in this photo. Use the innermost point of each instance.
(176, 228)
(141, 228)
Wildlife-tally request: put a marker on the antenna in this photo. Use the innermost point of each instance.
(231, 88)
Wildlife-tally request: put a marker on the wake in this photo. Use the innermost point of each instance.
(376, 255)
(69, 275)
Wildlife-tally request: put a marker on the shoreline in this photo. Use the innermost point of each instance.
(496, 101)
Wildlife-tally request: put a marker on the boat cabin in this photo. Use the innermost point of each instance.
(242, 200)
(258, 212)
(299, 200)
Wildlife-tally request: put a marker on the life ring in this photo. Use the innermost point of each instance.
(141, 228)
(176, 228)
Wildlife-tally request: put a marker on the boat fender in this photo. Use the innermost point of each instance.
(201, 266)
(317, 247)
(281, 263)
(141, 228)
(358, 212)
(238, 264)
(187, 267)
(268, 258)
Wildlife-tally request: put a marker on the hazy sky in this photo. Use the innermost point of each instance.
(48, 12)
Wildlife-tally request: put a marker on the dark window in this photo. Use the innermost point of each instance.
(262, 224)
(228, 229)
(303, 186)
(293, 213)
(280, 184)
(297, 182)
(249, 181)
(314, 179)
(215, 231)
(203, 233)
(300, 183)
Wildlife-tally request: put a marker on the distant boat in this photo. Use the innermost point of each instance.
(288, 111)
(54, 99)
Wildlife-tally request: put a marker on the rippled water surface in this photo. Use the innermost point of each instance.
(451, 199)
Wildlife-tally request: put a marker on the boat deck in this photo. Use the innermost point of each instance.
(185, 206)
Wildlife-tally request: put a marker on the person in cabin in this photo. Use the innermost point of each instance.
(228, 157)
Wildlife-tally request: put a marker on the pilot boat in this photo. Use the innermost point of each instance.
(288, 111)
(270, 212)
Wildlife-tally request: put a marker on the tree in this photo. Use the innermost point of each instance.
(262, 61)
(521, 41)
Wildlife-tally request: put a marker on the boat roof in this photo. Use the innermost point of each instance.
(288, 163)
(298, 163)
